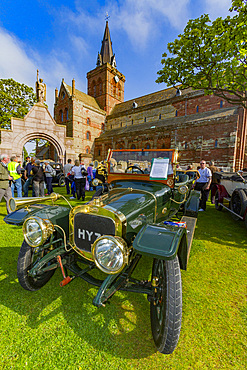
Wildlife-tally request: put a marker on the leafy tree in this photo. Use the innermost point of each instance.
(211, 56)
(16, 99)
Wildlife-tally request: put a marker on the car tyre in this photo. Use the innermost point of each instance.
(238, 203)
(61, 181)
(166, 307)
(26, 260)
(216, 202)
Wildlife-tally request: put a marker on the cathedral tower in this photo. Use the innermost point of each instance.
(105, 82)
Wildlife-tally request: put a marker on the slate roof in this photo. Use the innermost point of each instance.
(87, 99)
(198, 118)
(160, 97)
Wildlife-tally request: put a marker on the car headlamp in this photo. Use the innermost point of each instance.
(37, 230)
(110, 254)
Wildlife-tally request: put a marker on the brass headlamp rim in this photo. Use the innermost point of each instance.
(121, 243)
(46, 226)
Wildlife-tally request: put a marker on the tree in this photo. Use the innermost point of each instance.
(16, 99)
(211, 56)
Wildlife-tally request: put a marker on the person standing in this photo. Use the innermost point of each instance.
(28, 177)
(14, 169)
(213, 169)
(90, 175)
(38, 179)
(5, 190)
(203, 184)
(66, 169)
(80, 175)
(48, 175)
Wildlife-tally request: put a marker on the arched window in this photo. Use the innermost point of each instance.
(99, 83)
(132, 122)
(88, 121)
(197, 108)
(133, 146)
(221, 104)
(113, 87)
(160, 116)
(87, 150)
(94, 88)
(147, 146)
(216, 143)
(88, 135)
(185, 145)
(66, 114)
(176, 113)
(145, 119)
(61, 115)
(163, 146)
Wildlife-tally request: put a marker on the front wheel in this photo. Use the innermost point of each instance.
(166, 307)
(26, 261)
(238, 203)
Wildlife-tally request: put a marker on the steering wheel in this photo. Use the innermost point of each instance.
(134, 167)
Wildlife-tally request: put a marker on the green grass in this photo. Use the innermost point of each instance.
(59, 328)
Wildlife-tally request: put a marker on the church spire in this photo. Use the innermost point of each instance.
(106, 54)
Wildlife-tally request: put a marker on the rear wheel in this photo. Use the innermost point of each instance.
(238, 203)
(26, 261)
(216, 201)
(166, 307)
(61, 181)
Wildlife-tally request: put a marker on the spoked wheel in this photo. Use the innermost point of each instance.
(61, 181)
(166, 308)
(26, 261)
(238, 203)
(216, 201)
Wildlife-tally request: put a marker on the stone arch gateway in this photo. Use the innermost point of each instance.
(38, 123)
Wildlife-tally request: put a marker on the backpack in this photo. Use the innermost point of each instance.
(53, 172)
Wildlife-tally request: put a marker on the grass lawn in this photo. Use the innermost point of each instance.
(59, 328)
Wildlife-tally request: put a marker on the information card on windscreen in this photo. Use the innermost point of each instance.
(159, 169)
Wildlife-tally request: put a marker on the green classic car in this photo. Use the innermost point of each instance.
(145, 209)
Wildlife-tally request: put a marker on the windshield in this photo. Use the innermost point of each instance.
(138, 161)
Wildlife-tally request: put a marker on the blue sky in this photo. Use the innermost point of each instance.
(62, 38)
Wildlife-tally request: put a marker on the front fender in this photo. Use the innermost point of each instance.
(163, 242)
(58, 215)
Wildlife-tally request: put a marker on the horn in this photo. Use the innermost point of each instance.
(16, 203)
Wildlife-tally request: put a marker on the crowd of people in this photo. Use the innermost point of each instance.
(39, 177)
(78, 178)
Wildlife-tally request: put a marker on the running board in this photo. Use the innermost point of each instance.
(228, 209)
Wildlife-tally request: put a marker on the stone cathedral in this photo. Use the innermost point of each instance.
(199, 125)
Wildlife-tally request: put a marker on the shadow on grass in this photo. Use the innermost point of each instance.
(219, 227)
(122, 328)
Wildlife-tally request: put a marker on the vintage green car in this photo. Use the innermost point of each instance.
(148, 210)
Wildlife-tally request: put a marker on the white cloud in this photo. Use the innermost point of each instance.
(19, 62)
(141, 20)
(217, 8)
(14, 62)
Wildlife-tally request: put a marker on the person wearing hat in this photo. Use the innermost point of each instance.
(38, 179)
